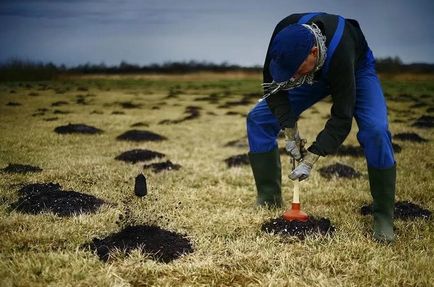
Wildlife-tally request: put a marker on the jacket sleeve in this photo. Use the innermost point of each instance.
(341, 79)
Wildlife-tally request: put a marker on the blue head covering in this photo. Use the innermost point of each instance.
(289, 48)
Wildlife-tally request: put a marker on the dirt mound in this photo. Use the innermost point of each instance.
(424, 122)
(137, 155)
(357, 151)
(418, 105)
(59, 103)
(212, 98)
(13, 104)
(338, 170)
(192, 112)
(240, 143)
(140, 124)
(51, 119)
(48, 197)
(160, 166)
(244, 101)
(21, 168)
(237, 160)
(77, 128)
(60, 112)
(162, 245)
(403, 210)
(129, 105)
(412, 137)
(349, 150)
(232, 113)
(321, 226)
(140, 135)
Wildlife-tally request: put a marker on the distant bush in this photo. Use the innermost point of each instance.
(19, 70)
(395, 65)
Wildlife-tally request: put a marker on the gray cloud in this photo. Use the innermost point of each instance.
(74, 32)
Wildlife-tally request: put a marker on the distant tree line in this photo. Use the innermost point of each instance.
(19, 70)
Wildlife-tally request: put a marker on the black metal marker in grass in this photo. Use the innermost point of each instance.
(77, 129)
(49, 197)
(161, 245)
(140, 186)
(280, 226)
(140, 135)
(403, 210)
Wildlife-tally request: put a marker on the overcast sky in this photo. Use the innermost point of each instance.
(154, 31)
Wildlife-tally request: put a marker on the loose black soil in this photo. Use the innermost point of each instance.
(349, 150)
(192, 112)
(77, 128)
(357, 151)
(130, 105)
(232, 113)
(321, 226)
(13, 104)
(212, 98)
(160, 166)
(21, 168)
(140, 135)
(237, 160)
(59, 103)
(81, 100)
(424, 122)
(48, 197)
(418, 105)
(138, 155)
(140, 124)
(60, 112)
(403, 210)
(162, 245)
(338, 170)
(245, 101)
(96, 112)
(412, 137)
(240, 143)
(51, 119)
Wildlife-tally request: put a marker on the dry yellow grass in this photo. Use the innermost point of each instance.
(217, 204)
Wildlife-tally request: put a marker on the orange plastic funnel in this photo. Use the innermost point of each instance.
(294, 213)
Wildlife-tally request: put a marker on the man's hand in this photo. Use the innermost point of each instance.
(294, 144)
(302, 171)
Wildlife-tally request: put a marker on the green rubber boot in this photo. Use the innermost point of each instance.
(382, 183)
(268, 177)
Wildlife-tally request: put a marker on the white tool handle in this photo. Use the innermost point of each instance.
(296, 192)
(296, 189)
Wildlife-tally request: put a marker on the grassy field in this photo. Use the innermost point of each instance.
(211, 203)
